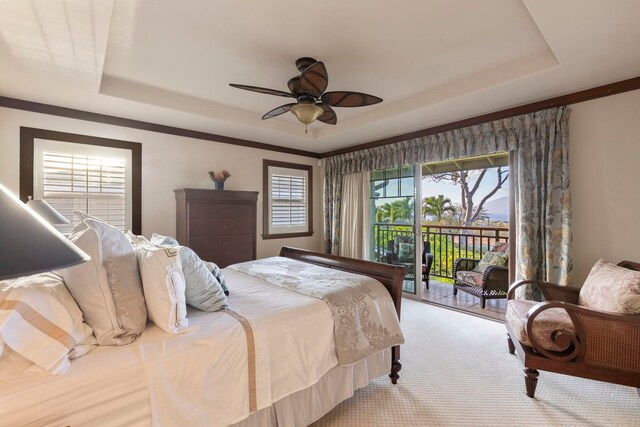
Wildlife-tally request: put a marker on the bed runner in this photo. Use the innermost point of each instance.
(251, 357)
(365, 320)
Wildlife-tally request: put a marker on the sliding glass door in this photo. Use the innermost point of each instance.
(393, 223)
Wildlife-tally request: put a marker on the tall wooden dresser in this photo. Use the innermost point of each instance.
(220, 226)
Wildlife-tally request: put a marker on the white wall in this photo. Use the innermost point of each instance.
(604, 164)
(605, 180)
(168, 162)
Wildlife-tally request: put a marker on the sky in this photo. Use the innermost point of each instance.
(452, 191)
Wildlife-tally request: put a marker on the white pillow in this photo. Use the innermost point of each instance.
(41, 324)
(108, 287)
(136, 240)
(164, 286)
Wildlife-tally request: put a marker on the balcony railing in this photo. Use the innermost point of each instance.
(445, 242)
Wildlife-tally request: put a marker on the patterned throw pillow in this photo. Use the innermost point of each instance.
(502, 247)
(611, 288)
(491, 258)
(406, 252)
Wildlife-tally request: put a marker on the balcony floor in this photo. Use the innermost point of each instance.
(441, 294)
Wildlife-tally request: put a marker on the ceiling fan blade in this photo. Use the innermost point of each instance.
(329, 116)
(262, 90)
(349, 99)
(303, 63)
(277, 111)
(314, 79)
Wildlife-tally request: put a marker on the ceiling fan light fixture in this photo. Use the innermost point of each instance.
(307, 113)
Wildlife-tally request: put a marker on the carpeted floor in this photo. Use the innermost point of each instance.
(457, 372)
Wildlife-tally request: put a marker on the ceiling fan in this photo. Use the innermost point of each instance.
(308, 89)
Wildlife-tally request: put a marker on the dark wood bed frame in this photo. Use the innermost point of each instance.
(390, 276)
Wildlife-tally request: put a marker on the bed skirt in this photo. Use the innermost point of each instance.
(310, 404)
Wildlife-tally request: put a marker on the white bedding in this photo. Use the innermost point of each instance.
(109, 385)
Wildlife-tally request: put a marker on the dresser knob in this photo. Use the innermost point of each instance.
(224, 227)
(224, 244)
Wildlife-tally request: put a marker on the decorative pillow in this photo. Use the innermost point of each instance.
(136, 240)
(611, 288)
(108, 287)
(190, 264)
(164, 286)
(502, 247)
(406, 252)
(82, 216)
(217, 273)
(203, 291)
(160, 240)
(491, 258)
(41, 324)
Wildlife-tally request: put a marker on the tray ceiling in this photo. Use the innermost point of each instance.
(431, 61)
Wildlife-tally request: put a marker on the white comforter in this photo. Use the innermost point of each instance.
(198, 377)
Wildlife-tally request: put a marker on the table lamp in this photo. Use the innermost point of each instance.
(28, 243)
(45, 210)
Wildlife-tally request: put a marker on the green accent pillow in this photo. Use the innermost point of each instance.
(499, 259)
(406, 252)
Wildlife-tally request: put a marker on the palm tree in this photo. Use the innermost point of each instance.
(384, 212)
(403, 209)
(437, 206)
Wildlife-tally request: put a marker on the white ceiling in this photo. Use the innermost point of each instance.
(432, 61)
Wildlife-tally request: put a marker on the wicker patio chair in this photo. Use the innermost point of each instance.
(560, 336)
(392, 256)
(492, 283)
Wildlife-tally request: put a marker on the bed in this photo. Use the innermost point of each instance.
(271, 359)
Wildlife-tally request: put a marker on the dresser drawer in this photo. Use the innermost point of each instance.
(221, 228)
(223, 260)
(221, 245)
(201, 211)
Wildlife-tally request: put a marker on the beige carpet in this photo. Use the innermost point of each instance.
(457, 372)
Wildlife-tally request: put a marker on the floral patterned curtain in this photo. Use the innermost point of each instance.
(540, 142)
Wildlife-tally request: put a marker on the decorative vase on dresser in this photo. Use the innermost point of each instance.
(220, 226)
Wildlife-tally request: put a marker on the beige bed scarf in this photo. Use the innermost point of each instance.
(365, 320)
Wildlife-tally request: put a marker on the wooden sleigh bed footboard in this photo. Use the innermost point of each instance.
(391, 276)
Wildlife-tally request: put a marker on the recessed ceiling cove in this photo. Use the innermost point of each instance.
(423, 52)
(432, 61)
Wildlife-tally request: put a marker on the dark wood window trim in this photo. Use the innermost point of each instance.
(267, 198)
(29, 135)
(56, 110)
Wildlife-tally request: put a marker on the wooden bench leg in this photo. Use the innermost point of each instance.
(531, 381)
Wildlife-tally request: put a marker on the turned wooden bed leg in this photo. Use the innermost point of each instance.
(512, 348)
(531, 381)
(396, 366)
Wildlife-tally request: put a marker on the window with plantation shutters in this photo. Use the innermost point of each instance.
(287, 200)
(93, 179)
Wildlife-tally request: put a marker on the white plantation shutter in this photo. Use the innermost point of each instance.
(288, 198)
(95, 180)
(288, 201)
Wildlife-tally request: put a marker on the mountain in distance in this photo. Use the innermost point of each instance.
(498, 209)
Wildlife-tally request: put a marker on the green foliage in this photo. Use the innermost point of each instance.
(396, 210)
(437, 207)
(446, 251)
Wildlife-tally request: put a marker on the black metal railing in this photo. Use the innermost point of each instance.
(445, 242)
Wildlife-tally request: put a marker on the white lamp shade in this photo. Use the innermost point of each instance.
(45, 210)
(28, 244)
